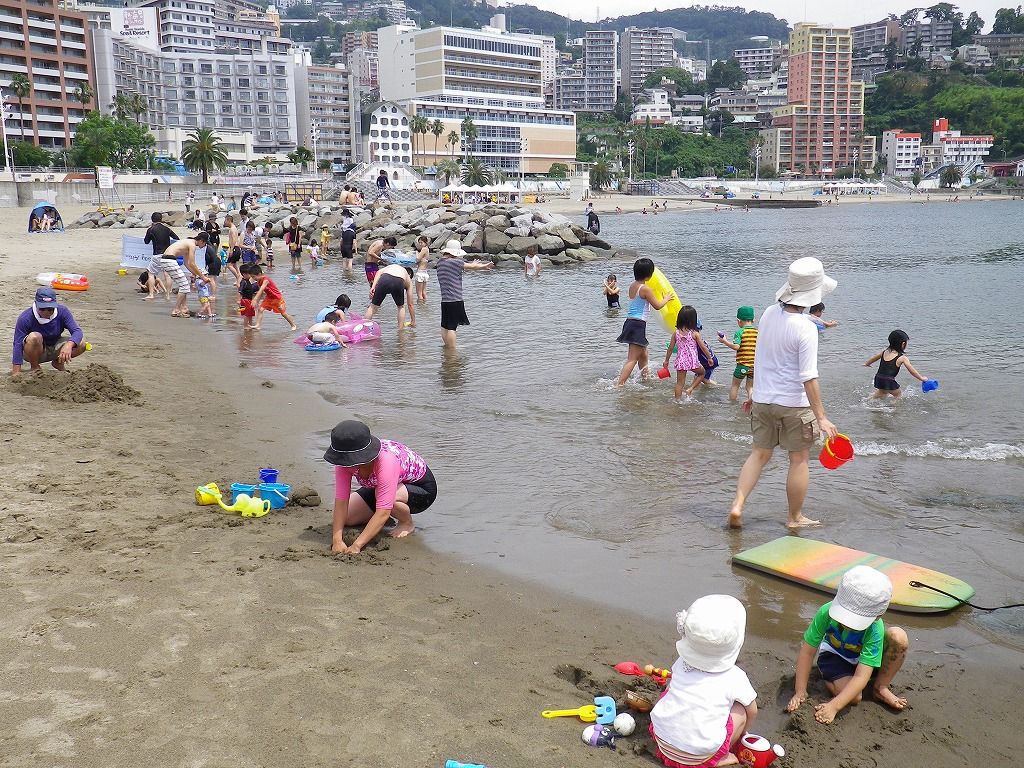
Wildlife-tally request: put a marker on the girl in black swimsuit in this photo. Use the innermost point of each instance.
(890, 360)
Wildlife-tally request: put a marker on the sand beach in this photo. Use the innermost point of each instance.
(142, 629)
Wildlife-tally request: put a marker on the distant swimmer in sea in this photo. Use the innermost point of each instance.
(890, 360)
(611, 291)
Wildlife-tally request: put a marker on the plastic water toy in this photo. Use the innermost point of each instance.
(457, 764)
(61, 281)
(650, 669)
(599, 736)
(268, 475)
(586, 713)
(330, 346)
(239, 488)
(275, 493)
(395, 256)
(247, 506)
(662, 287)
(929, 385)
(836, 452)
(756, 751)
(663, 373)
(354, 330)
(638, 702)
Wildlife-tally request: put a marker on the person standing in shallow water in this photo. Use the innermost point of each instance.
(785, 407)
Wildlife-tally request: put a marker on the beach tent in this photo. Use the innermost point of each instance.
(35, 218)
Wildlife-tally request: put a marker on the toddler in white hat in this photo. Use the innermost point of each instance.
(709, 701)
(855, 646)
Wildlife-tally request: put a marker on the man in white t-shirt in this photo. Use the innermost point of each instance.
(785, 407)
(531, 262)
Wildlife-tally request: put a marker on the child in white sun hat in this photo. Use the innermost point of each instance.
(855, 646)
(709, 701)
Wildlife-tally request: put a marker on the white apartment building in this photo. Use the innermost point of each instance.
(654, 107)
(902, 152)
(364, 64)
(957, 148)
(386, 135)
(757, 62)
(324, 99)
(493, 78)
(642, 51)
(736, 103)
(571, 91)
(600, 54)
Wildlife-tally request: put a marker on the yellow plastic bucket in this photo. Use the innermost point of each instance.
(207, 494)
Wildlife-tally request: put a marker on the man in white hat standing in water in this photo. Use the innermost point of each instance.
(785, 407)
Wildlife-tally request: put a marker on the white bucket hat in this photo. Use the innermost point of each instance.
(453, 248)
(807, 283)
(862, 597)
(711, 632)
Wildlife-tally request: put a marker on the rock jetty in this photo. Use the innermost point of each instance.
(500, 233)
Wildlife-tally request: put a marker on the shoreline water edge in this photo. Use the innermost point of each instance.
(141, 627)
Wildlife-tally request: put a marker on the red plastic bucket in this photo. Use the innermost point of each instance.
(663, 373)
(836, 452)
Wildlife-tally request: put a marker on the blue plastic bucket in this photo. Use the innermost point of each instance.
(268, 475)
(275, 493)
(181, 261)
(237, 488)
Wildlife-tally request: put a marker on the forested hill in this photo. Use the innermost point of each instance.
(726, 28)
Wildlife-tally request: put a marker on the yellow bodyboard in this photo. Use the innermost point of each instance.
(670, 312)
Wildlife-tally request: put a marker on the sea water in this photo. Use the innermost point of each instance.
(548, 471)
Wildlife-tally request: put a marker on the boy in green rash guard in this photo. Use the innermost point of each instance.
(855, 646)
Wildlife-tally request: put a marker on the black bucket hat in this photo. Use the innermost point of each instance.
(352, 445)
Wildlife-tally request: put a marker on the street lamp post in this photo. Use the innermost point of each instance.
(856, 157)
(631, 147)
(314, 135)
(757, 165)
(524, 147)
(6, 112)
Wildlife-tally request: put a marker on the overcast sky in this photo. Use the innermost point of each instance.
(839, 12)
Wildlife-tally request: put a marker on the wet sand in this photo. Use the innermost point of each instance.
(142, 628)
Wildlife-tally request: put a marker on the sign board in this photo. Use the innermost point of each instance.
(135, 253)
(136, 25)
(104, 177)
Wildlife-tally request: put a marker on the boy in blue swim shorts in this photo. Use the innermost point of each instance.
(853, 646)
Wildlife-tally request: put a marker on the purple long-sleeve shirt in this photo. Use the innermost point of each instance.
(51, 331)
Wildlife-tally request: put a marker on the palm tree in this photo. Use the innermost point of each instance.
(449, 169)
(204, 151)
(476, 174)
(83, 94)
(436, 128)
(418, 125)
(951, 177)
(138, 105)
(600, 175)
(121, 106)
(469, 133)
(453, 142)
(22, 88)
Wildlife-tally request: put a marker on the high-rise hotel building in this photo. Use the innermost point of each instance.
(821, 128)
(495, 78)
(48, 44)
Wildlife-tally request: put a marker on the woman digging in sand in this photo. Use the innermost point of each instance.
(394, 482)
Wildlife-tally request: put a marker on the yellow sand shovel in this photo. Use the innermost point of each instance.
(586, 713)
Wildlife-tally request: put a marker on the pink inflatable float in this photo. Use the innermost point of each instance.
(354, 330)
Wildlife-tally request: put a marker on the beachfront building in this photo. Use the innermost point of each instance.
(641, 52)
(386, 135)
(600, 49)
(902, 152)
(570, 91)
(968, 152)
(821, 127)
(493, 78)
(758, 62)
(48, 44)
(324, 100)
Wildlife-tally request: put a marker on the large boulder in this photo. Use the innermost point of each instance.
(581, 254)
(595, 241)
(498, 221)
(549, 244)
(474, 241)
(560, 259)
(433, 231)
(495, 241)
(361, 219)
(91, 216)
(568, 237)
(442, 239)
(465, 229)
(306, 220)
(520, 245)
(107, 221)
(446, 217)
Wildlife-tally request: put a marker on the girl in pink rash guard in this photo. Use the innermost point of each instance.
(394, 481)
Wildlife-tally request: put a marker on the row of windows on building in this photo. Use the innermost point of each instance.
(507, 117)
(492, 46)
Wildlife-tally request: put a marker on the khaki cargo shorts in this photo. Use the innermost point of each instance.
(792, 429)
